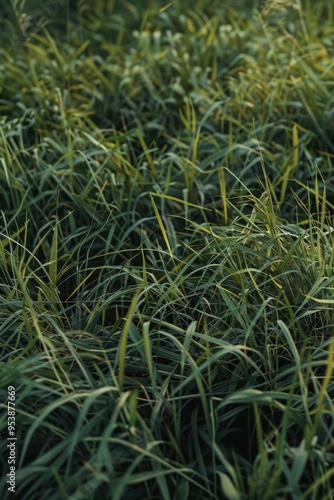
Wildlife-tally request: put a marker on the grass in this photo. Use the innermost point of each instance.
(166, 251)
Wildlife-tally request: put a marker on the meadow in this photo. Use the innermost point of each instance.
(166, 249)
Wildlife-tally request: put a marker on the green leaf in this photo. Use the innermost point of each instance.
(228, 488)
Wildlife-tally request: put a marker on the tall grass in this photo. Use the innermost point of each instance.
(166, 250)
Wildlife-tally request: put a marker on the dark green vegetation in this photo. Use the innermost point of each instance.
(166, 248)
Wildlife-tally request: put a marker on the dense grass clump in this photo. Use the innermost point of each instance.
(166, 249)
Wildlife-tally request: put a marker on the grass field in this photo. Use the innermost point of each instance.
(166, 249)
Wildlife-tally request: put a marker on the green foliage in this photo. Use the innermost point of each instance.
(166, 248)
